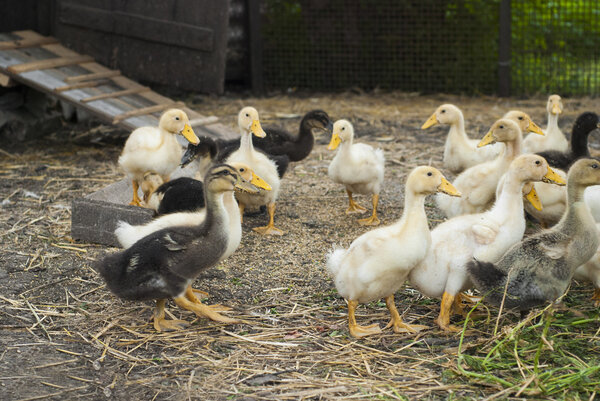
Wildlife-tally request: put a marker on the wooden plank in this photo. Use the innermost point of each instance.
(79, 85)
(147, 110)
(195, 122)
(24, 43)
(137, 26)
(110, 95)
(6, 81)
(48, 63)
(95, 75)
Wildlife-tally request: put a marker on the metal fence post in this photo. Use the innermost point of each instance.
(504, 49)
(256, 49)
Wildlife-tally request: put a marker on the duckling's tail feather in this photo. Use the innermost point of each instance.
(334, 261)
(486, 276)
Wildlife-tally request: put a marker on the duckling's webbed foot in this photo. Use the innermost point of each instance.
(202, 310)
(396, 322)
(270, 228)
(354, 207)
(463, 303)
(596, 297)
(161, 324)
(190, 294)
(356, 330)
(373, 220)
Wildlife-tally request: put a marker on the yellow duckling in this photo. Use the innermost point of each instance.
(155, 149)
(554, 138)
(358, 166)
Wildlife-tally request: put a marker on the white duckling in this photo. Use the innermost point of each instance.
(485, 236)
(378, 262)
(261, 164)
(590, 271)
(155, 149)
(460, 152)
(358, 167)
(478, 183)
(554, 138)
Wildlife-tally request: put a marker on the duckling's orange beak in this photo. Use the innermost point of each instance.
(257, 130)
(552, 178)
(533, 198)
(189, 134)
(556, 108)
(259, 182)
(431, 121)
(335, 141)
(448, 188)
(532, 127)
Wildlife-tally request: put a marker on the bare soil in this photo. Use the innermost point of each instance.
(63, 335)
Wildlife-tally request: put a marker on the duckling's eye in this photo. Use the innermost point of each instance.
(242, 170)
(429, 174)
(443, 111)
(177, 118)
(501, 127)
(520, 118)
(594, 165)
(247, 115)
(537, 162)
(343, 128)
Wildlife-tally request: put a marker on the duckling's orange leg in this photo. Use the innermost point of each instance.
(396, 323)
(242, 208)
(353, 207)
(356, 330)
(443, 320)
(189, 294)
(136, 199)
(162, 324)
(202, 310)
(596, 297)
(270, 228)
(373, 220)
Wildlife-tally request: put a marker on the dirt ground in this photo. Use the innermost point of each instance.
(63, 335)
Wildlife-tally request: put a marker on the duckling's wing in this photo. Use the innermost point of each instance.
(484, 235)
(143, 138)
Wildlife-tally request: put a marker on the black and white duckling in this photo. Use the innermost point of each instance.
(191, 212)
(262, 164)
(578, 146)
(554, 138)
(155, 149)
(164, 264)
(460, 152)
(185, 193)
(358, 167)
(539, 269)
(378, 262)
(485, 236)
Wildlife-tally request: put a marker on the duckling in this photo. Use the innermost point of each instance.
(193, 214)
(281, 142)
(163, 264)
(460, 152)
(539, 268)
(578, 146)
(590, 271)
(554, 138)
(377, 263)
(478, 183)
(485, 236)
(185, 193)
(358, 166)
(261, 164)
(155, 149)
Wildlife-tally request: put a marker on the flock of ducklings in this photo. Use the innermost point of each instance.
(480, 246)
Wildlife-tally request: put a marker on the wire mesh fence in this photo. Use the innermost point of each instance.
(430, 45)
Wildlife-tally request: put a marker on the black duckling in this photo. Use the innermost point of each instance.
(578, 145)
(539, 269)
(164, 264)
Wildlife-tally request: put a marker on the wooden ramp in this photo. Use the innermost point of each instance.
(44, 64)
